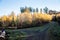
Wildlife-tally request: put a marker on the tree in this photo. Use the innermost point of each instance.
(12, 23)
(45, 10)
(41, 10)
(0, 22)
(30, 8)
(4, 21)
(12, 13)
(22, 9)
(33, 10)
(17, 21)
(52, 11)
(37, 10)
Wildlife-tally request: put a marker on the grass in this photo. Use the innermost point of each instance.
(53, 28)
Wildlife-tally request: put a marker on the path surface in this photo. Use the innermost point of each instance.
(36, 33)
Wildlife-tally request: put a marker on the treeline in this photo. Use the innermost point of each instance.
(27, 19)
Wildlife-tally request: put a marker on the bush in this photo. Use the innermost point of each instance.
(25, 18)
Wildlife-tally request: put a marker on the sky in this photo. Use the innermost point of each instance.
(7, 6)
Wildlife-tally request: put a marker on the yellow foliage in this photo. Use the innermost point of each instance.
(42, 17)
(0, 18)
(4, 18)
(34, 16)
(15, 18)
(27, 10)
(45, 17)
(58, 15)
(10, 18)
(26, 17)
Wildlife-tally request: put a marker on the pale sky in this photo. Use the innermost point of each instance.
(7, 6)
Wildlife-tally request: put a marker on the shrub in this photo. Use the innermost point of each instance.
(25, 18)
(58, 18)
(35, 20)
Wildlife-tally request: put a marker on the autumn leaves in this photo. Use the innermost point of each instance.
(26, 19)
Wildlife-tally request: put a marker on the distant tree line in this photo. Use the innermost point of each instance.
(45, 10)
